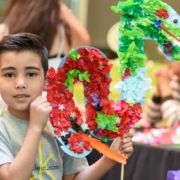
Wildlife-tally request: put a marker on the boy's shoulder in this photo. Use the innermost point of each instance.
(6, 122)
(3, 105)
(2, 119)
(3, 128)
(10, 129)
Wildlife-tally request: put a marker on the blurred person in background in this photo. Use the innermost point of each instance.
(165, 103)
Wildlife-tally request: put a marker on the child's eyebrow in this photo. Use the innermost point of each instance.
(8, 68)
(33, 67)
(12, 68)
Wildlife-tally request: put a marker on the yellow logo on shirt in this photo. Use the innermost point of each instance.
(43, 166)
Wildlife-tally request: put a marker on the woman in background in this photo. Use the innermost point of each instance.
(50, 19)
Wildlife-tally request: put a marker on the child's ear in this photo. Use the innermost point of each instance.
(44, 89)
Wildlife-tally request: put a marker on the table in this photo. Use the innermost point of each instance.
(146, 163)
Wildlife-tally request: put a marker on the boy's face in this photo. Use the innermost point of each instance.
(21, 80)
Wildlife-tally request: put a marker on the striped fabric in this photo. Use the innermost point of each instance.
(169, 110)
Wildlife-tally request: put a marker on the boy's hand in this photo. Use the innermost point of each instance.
(39, 112)
(125, 146)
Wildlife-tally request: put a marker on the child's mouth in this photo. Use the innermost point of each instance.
(21, 97)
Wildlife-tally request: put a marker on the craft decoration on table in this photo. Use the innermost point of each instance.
(104, 118)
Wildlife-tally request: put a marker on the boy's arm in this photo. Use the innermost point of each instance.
(103, 165)
(95, 171)
(22, 166)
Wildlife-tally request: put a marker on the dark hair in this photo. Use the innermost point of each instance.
(25, 42)
(40, 17)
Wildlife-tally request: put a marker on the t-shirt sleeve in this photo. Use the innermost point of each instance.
(73, 165)
(6, 155)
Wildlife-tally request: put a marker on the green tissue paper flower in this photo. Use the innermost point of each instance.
(130, 34)
(125, 42)
(107, 122)
(131, 59)
(105, 139)
(154, 5)
(74, 55)
(83, 76)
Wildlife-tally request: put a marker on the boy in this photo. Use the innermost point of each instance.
(28, 149)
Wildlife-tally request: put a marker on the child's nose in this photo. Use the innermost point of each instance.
(20, 82)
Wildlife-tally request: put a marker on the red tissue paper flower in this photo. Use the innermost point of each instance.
(65, 111)
(162, 13)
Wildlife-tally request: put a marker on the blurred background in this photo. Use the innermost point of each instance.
(98, 18)
(101, 22)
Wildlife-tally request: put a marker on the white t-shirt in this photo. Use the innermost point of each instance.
(51, 161)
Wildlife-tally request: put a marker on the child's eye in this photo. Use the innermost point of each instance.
(9, 75)
(32, 74)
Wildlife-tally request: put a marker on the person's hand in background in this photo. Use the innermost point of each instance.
(163, 77)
